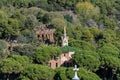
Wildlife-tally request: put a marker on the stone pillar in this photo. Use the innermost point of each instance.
(52, 39)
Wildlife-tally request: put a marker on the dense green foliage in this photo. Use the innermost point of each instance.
(67, 74)
(37, 72)
(44, 54)
(93, 27)
(4, 52)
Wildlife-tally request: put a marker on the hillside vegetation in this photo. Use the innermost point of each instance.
(93, 27)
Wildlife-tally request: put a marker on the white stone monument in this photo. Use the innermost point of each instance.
(75, 70)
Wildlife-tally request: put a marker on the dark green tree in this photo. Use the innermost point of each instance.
(109, 58)
(60, 74)
(68, 74)
(27, 50)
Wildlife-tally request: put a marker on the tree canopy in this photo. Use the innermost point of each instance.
(37, 72)
(46, 51)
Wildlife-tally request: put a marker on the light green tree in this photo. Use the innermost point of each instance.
(9, 66)
(4, 52)
(13, 65)
(87, 59)
(45, 53)
(86, 10)
(37, 72)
